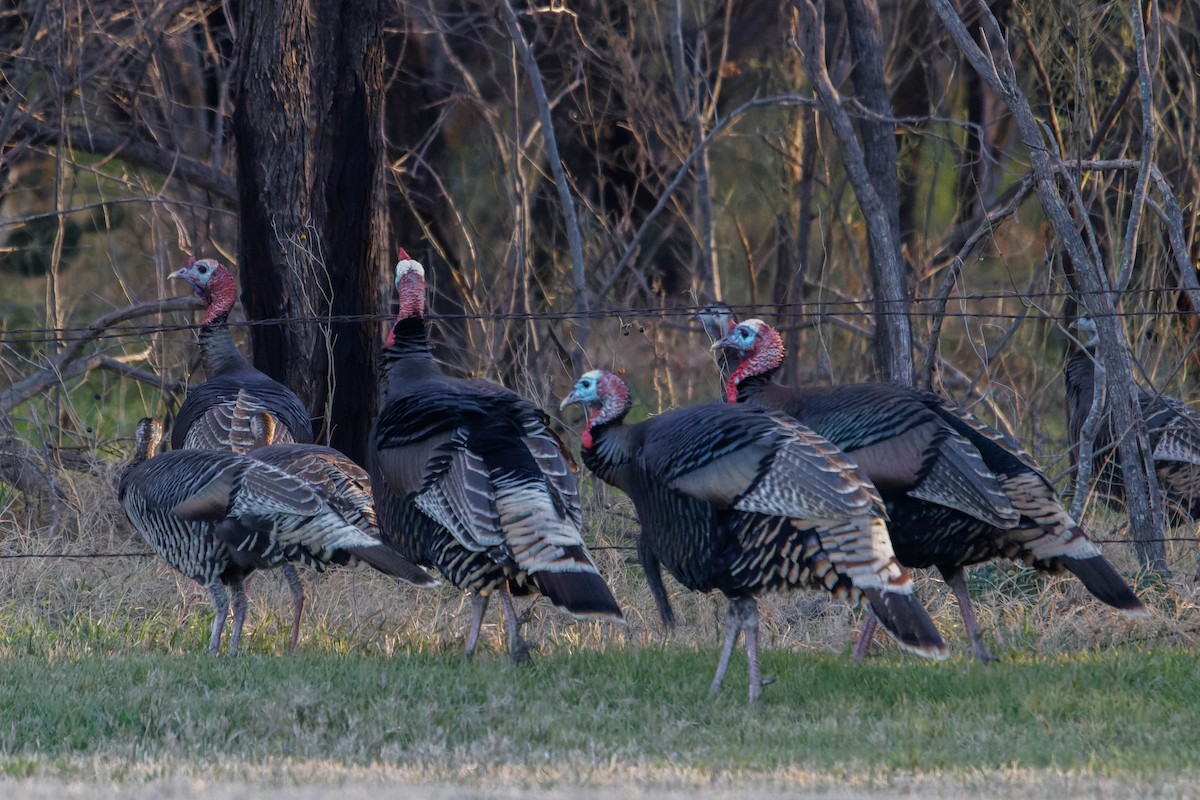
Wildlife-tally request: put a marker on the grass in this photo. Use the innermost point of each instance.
(1129, 713)
(104, 682)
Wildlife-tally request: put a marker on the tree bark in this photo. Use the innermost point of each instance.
(873, 180)
(893, 333)
(307, 126)
(1141, 486)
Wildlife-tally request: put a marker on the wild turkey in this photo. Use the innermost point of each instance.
(344, 484)
(718, 321)
(744, 500)
(957, 491)
(215, 413)
(206, 418)
(1174, 430)
(474, 482)
(216, 516)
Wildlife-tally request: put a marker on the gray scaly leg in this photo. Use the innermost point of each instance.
(732, 628)
(864, 638)
(240, 605)
(220, 603)
(518, 648)
(479, 604)
(293, 581)
(748, 621)
(957, 581)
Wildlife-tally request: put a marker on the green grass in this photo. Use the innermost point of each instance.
(104, 682)
(1121, 713)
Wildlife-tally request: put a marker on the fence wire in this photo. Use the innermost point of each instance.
(912, 307)
(860, 308)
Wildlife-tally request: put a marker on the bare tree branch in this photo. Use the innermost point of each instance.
(566, 200)
(101, 141)
(1172, 218)
(62, 364)
(997, 70)
(987, 227)
(670, 189)
(1141, 185)
(893, 330)
(689, 106)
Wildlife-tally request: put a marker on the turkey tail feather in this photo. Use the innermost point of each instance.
(389, 562)
(1105, 584)
(906, 620)
(581, 594)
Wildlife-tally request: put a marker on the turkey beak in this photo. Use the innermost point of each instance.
(568, 400)
(722, 343)
(181, 274)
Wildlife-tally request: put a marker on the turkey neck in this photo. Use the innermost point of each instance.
(752, 387)
(216, 343)
(1081, 378)
(147, 441)
(612, 452)
(408, 355)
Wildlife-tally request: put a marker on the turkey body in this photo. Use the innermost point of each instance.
(216, 516)
(219, 413)
(470, 480)
(346, 487)
(743, 500)
(957, 492)
(1173, 428)
(209, 415)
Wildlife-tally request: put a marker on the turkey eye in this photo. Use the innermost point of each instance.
(203, 270)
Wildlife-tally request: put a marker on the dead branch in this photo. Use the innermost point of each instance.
(566, 199)
(893, 329)
(101, 141)
(668, 192)
(986, 227)
(997, 70)
(66, 362)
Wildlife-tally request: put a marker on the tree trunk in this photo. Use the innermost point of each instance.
(893, 329)
(312, 239)
(1141, 487)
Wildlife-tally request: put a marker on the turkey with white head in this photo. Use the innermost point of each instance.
(471, 480)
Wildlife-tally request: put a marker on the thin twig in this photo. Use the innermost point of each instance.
(684, 168)
(1141, 184)
(566, 200)
(61, 364)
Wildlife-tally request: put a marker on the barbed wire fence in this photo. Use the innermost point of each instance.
(814, 309)
(116, 328)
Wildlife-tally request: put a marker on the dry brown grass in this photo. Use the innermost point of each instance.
(309, 780)
(358, 609)
(139, 605)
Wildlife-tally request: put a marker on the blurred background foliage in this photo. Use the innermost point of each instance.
(119, 163)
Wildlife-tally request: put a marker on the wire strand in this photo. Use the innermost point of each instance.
(854, 307)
